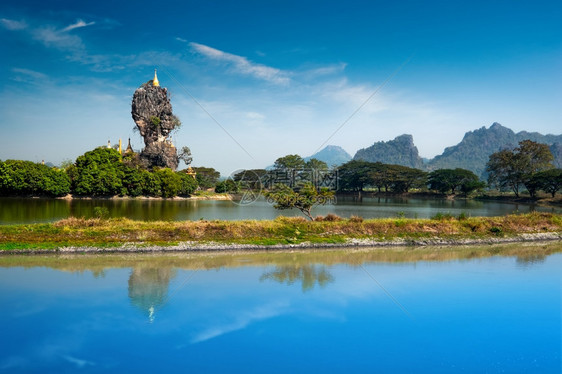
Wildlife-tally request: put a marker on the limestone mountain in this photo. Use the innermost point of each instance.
(400, 151)
(332, 155)
(474, 150)
(556, 150)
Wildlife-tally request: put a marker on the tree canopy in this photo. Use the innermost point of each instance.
(289, 162)
(28, 178)
(207, 177)
(99, 173)
(512, 169)
(303, 198)
(357, 175)
(453, 180)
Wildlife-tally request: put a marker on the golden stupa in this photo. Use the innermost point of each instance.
(155, 82)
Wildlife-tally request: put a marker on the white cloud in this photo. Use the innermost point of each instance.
(325, 70)
(255, 116)
(79, 23)
(75, 49)
(242, 65)
(80, 363)
(51, 37)
(241, 321)
(22, 75)
(61, 39)
(12, 24)
(181, 39)
(30, 73)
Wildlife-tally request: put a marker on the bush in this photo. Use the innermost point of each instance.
(331, 217)
(356, 219)
(496, 230)
(462, 216)
(29, 178)
(101, 212)
(442, 216)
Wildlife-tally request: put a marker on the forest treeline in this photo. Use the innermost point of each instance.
(100, 172)
(105, 172)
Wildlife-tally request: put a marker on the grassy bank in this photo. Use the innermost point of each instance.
(114, 233)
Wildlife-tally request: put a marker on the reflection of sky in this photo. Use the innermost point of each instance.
(489, 315)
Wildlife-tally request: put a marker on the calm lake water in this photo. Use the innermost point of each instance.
(384, 311)
(14, 210)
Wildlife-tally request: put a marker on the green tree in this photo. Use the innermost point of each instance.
(503, 171)
(99, 173)
(133, 181)
(188, 183)
(533, 158)
(550, 181)
(445, 180)
(315, 164)
(289, 162)
(170, 182)
(304, 198)
(28, 178)
(185, 155)
(381, 176)
(471, 186)
(55, 181)
(227, 186)
(511, 169)
(206, 177)
(355, 175)
(251, 179)
(151, 185)
(403, 178)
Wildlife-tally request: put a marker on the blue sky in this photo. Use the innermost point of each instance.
(279, 77)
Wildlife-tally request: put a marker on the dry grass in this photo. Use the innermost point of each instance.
(283, 230)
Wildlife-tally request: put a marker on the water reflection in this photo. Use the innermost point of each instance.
(148, 288)
(530, 259)
(308, 275)
(472, 308)
(21, 210)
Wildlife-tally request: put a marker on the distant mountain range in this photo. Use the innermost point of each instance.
(471, 153)
(331, 155)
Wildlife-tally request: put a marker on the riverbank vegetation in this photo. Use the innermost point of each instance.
(112, 233)
(104, 172)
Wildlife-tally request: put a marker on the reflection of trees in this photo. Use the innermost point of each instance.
(530, 259)
(148, 288)
(307, 274)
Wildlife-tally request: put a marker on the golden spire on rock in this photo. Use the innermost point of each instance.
(155, 82)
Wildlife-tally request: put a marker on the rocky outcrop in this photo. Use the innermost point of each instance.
(400, 151)
(474, 150)
(152, 112)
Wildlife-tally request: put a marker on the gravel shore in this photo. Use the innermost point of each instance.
(351, 243)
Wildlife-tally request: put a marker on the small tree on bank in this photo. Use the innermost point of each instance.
(303, 198)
